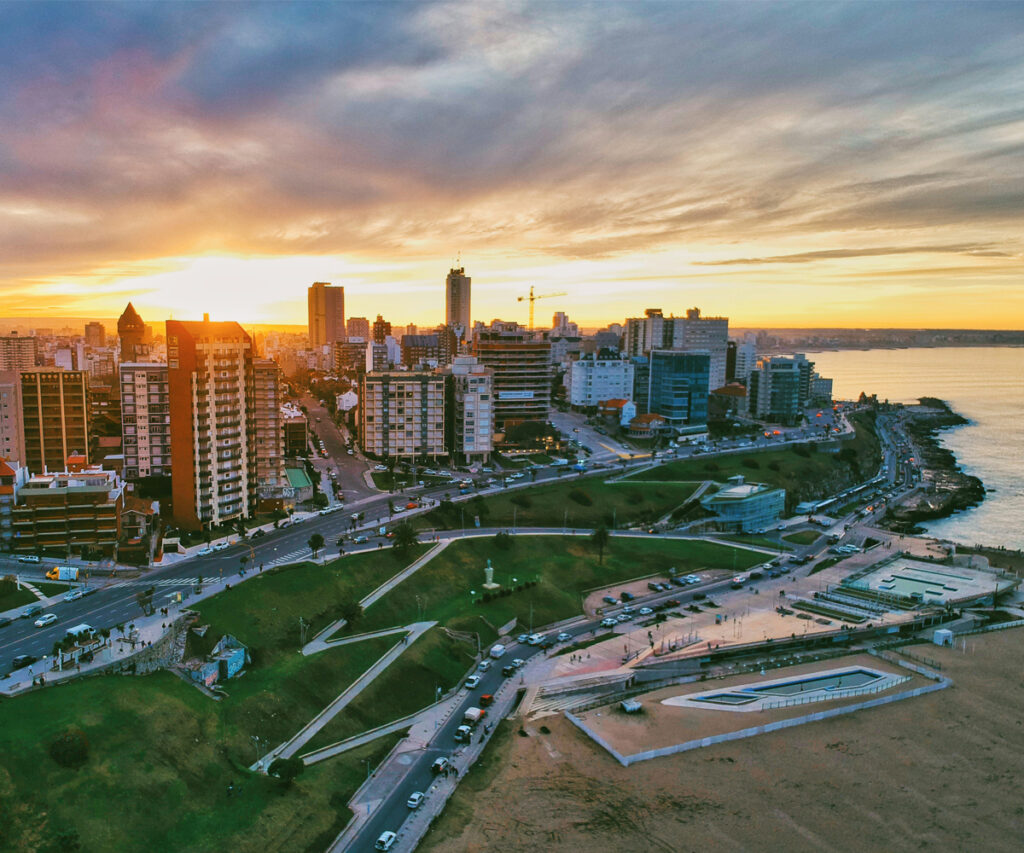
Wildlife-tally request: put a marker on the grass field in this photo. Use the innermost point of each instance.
(564, 567)
(16, 598)
(804, 471)
(51, 589)
(573, 501)
(803, 537)
(155, 740)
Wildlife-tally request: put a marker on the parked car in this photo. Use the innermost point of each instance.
(646, 611)
(654, 587)
(609, 622)
(484, 665)
(518, 662)
(416, 800)
(31, 610)
(23, 660)
(609, 599)
(679, 581)
(523, 638)
(692, 579)
(205, 552)
(673, 602)
(440, 764)
(545, 644)
(46, 619)
(627, 596)
(508, 670)
(563, 637)
(624, 617)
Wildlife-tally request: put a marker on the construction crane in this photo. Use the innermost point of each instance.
(531, 298)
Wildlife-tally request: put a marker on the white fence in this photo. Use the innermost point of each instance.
(838, 693)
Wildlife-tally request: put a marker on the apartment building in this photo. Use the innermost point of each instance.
(326, 306)
(145, 420)
(268, 429)
(521, 363)
(402, 414)
(692, 333)
(470, 409)
(55, 417)
(457, 292)
(209, 377)
(779, 387)
(602, 376)
(12, 434)
(18, 352)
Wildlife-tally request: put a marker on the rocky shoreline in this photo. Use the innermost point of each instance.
(953, 490)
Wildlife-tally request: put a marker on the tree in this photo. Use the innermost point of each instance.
(286, 769)
(600, 539)
(316, 542)
(351, 611)
(70, 748)
(405, 537)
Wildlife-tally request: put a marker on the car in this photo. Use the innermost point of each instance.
(646, 611)
(692, 579)
(440, 764)
(23, 660)
(673, 602)
(27, 558)
(73, 595)
(473, 682)
(386, 840)
(609, 622)
(535, 639)
(679, 581)
(627, 596)
(654, 587)
(222, 546)
(563, 637)
(610, 599)
(697, 596)
(416, 800)
(205, 552)
(359, 540)
(523, 638)
(545, 644)
(629, 608)
(462, 734)
(257, 533)
(486, 699)
(508, 670)
(380, 467)
(484, 665)
(624, 617)
(45, 619)
(31, 610)
(518, 663)
(412, 505)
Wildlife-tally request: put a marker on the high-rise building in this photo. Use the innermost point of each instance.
(521, 362)
(326, 314)
(692, 333)
(603, 376)
(145, 420)
(746, 357)
(470, 410)
(381, 330)
(350, 355)
(779, 387)
(18, 352)
(419, 348)
(358, 327)
(457, 302)
(95, 335)
(55, 417)
(268, 429)
(678, 388)
(209, 377)
(131, 332)
(12, 434)
(402, 415)
(411, 329)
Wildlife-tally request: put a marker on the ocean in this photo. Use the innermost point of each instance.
(984, 385)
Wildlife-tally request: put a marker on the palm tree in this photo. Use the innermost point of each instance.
(600, 538)
(316, 542)
(405, 537)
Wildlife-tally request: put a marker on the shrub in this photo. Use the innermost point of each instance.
(751, 463)
(581, 497)
(286, 769)
(710, 466)
(70, 748)
(502, 540)
(521, 501)
(774, 465)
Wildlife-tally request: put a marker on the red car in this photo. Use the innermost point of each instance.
(412, 505)
(486, 700)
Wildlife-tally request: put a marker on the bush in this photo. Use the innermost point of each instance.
(70, 748)
(751, 463)
(286, 769)
(710, 466)
(803, 450)
(581, 497)
(521, 501)
(774, 465)
(502, 540)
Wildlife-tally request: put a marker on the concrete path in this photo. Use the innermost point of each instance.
(318, 645)
(288, 749)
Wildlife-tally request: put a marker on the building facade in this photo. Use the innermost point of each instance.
(402, 415)
(779, 387)
(18, 352)
(131, 333)
(358, 327)
(55, 417)
(145, 420)
(381, 330)
(209, 375)
(95, 335)
(678, 387)
(692, 333)
(747, 507)
(603, 376)
(12, 433)
(326, 306)
(12, 478)
(417, 349)
(268, 429)
(470, 410)
(457, 302)
(521, 363)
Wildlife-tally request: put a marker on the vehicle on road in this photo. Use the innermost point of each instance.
(45, 619)
(627, 596)
(204, 552)
(624, 617)
(74, 595)
(535, 639)
(440, 764)
(673, 602)
(497, 651)
(62, 573)
(473, 716)
(386, 840)
(563, 637)
(31, 610)
(654, 587)
(484, 665)
(692, 579)
(609, 622)
(416, 800)
(523, 638)
(359, 540)
(739, 581)
(462, 734)
(412, 505)
(646, 611)
(679, 581)
(473, 682)
(222, 546)
(508, 670)
(518, 662)
(23, 660)
(27, 558)
(609, 599)
(545, 644)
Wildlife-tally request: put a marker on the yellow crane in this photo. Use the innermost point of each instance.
(531, 298)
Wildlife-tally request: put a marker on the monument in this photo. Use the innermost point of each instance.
(489, 583)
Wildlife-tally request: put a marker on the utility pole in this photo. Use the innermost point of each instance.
(303, 626)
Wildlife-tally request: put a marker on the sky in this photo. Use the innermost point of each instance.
(807, 164)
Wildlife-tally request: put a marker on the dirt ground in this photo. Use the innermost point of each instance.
(939, 772)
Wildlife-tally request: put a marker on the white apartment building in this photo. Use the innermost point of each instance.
(402, 414)
(603, 376)
(472, 417)
(145, 420)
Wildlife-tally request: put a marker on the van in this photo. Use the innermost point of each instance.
(535, 639)
(497, 651)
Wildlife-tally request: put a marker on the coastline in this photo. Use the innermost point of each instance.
(945, 489)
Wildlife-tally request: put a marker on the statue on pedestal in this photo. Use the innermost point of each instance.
(489, 577)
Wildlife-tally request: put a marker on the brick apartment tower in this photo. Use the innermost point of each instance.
(209, 381)
(55, 417)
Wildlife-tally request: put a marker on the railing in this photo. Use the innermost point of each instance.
(837, 693)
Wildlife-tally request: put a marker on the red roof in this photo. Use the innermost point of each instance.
(650, 418)
(612, 404)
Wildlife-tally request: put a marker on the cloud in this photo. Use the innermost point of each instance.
(835, 254)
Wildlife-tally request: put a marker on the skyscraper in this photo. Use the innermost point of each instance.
(95, 335)
(209, 380)
(521, 363)
(12, 437)
(381, 329)
(326, 314)
(132, 332)
(268, 429)
(17, 352)
(456, 302)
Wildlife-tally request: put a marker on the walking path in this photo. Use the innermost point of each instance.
(306, 734)
(317, 645)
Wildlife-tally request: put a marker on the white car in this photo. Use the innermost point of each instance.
(386, 840)
(472, 682)
(609, 622)
(563, 637)
(484, 665)
(222, 546)
(624, 617)
(646, 611)
(380, 467)
(415, 801)
(692, 579)
(74, 595)
(518, 662)
(46, 619)
(204, 552)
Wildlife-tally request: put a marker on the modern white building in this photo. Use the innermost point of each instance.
(472, 414)
(603, 376)
(145, 420)
(748, 507)
(746, 357)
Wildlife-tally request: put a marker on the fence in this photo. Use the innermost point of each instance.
(838, 693)
(998, 627)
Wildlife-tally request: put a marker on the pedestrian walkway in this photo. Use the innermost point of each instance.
(313, 727)
(318, 645)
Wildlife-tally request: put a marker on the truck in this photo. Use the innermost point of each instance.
(473, 716)
(62, 573)
(497, 651)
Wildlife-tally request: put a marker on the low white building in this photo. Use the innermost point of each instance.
(347, 402)
(603, 376)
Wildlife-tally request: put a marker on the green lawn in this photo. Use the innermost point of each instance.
(16, 598)
(803, 537)
(805, 471)
(574, 501)
(156, 740)
(564, 567)
(756, 541)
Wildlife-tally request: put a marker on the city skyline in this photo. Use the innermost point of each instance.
(839, 165)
